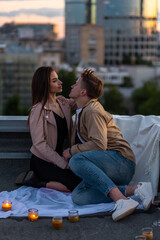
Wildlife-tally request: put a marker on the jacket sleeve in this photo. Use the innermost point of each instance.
(71, 102)
(96, 128)
(40, 146)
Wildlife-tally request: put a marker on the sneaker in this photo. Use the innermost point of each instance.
(145, 194)
(124, 208)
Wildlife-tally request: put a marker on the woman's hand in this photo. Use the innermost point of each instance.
(66, 154)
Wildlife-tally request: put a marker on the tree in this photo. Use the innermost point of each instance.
(13, 108)
(146, 99)
(141, 61)
(25, 110)
(68, 79)
(127, 82)
(114, 101)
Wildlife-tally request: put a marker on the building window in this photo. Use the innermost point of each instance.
(52, 63)
(92, 42)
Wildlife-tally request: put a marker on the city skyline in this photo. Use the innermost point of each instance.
(36, 11)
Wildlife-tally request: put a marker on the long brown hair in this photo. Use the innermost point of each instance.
(40, 85)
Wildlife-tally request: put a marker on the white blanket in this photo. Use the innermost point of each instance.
(48, 202)
(143, 134)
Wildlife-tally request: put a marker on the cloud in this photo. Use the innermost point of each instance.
(47, 12)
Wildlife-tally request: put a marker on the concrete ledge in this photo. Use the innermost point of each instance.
(16, 155)
(15, 140)
(13, 124)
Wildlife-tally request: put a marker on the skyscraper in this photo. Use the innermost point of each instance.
(130, 30)
(81, 17)
(78, 12)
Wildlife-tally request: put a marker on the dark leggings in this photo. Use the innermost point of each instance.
(49, 172)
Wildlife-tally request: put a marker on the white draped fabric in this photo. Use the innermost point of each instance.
(143, 134)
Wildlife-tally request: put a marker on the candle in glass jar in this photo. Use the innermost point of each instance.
(32, 214)
(140, 237)
(148, 233)
(57, 222)
(6, 205)
(73, 215)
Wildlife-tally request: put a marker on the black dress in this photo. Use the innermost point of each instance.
(46, 171)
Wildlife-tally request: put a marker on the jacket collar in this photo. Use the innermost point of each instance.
(65, 111)
(92, 100)
(88, 103)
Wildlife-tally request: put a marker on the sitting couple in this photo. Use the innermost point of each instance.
(95, 162)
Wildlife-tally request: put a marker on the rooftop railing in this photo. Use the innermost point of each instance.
(15, 140)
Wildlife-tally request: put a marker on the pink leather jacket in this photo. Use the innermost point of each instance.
(43, 131)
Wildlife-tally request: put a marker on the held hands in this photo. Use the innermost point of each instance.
(66, 154)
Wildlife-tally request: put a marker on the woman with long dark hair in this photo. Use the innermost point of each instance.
(50, 125)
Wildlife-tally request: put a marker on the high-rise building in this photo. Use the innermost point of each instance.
(23, 48)
(16, 71)
(85, 43)
(17, 66)
(81, 17)
(129, 28)
(78, 12)
(29, 34)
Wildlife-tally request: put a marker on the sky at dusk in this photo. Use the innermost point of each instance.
(37, 11)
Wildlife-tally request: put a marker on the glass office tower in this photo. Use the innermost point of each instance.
(130, 27)
(78, 12)
(130, 31)
(75, 12)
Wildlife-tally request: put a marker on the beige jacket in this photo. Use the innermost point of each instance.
(43, 131)
(99, 131)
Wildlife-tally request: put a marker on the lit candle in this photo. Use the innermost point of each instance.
(6, 205)
(57, 222)
(73, 215)
(32, 214)
(148, 233)
(149, 236)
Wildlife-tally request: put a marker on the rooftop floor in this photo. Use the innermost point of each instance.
(96, 227)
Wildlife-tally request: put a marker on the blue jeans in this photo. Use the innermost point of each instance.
(101, 171)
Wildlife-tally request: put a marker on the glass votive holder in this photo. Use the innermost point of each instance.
(57, 222)
(6, 205)
(33, 214)
(140, 237)
(148, 232)
(73, 216)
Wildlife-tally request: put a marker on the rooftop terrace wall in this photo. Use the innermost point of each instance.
(15, 140)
